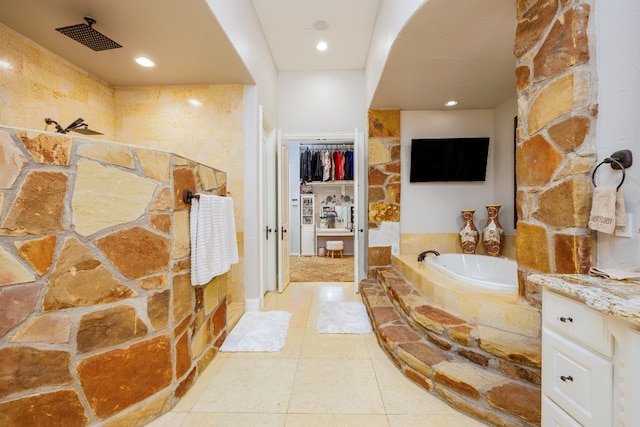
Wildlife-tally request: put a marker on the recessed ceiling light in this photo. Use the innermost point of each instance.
(322, 46)
(195, 102)
(145, 62)
(451, 103)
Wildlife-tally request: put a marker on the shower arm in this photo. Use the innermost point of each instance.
(78, 123)
(53, 122)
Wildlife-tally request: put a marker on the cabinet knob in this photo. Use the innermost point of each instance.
(566, 319)
(567, 378)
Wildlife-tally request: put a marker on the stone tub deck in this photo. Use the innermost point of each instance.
(489, 373)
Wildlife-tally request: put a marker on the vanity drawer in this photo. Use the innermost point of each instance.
(554, 416)
(577, 322)
(577, 380)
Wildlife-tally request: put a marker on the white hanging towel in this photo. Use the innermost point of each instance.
(209, 236)
(232, 242)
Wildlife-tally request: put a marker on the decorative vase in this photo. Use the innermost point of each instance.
(469, 235)
(493, 234)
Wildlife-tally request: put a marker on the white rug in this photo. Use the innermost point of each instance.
(258, 331)
(343, 317)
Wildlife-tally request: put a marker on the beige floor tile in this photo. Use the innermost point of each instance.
(191, 397)
(249, 385)
(401, 396)
(291, 349)
(202, 419)
(336, 420)
(335, 386)
(170, 419)
(375, 351)
(343, 380)
(334, 346)
(438, 420)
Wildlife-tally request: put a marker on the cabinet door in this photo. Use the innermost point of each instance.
(307, 240)
(577, 380)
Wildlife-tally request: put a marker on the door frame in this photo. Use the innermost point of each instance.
(267, 202)
(360, 188)
(283, 214)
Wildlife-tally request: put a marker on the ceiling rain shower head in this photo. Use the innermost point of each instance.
(85, 34)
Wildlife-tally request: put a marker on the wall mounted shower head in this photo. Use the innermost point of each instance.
(85, 34)
(78, 125)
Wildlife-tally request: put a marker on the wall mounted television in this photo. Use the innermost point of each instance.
(449, 159)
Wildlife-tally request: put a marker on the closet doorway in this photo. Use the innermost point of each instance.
(324, 208)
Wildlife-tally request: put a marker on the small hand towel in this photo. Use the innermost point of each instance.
(209, 248)
(616, 273)
(621, 212)
(607, 210)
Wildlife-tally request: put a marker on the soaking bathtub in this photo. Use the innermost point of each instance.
(489, 272)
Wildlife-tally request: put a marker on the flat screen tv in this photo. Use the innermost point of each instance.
(449, 159)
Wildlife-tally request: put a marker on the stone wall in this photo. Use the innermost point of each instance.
(555, 138)
(103, 325)
(384, 187)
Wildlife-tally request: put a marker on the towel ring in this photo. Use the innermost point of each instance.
(609, 160)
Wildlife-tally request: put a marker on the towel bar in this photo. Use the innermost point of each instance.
(619, 160)
(187, 195)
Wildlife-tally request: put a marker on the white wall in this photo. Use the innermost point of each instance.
(618, 62)
(321, 101)
(434, 207)
(240, 22)
(317, 103)
(392, 17)
(504, 164)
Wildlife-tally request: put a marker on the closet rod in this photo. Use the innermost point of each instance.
(326, 146)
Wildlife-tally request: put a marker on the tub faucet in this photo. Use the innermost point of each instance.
(423, 255)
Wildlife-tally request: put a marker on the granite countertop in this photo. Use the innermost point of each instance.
(620, 298)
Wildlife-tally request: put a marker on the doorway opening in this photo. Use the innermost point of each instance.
(323, 172)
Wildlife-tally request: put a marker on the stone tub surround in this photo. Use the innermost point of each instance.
(491, 374)
(620, 298)
(449, 243)
(104, 326)
(497, 309)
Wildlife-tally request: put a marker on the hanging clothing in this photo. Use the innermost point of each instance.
(325, 165)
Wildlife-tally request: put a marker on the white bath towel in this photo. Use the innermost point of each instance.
(209, 236)
(230, 223)
(607, 210)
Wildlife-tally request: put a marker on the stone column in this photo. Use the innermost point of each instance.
(555, 150)
(384, 187)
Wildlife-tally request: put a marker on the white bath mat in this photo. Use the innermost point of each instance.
(258, 331)
(343, 317)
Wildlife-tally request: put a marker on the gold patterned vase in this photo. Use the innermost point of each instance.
(493, 234)
(469, 235)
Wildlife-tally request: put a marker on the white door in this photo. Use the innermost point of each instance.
(267, 173)
(361, 213)
(284, 247)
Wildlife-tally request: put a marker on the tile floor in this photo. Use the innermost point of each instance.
(315, 380)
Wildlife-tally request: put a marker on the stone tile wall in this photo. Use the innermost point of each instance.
(99, 321)
(37, 83)
(556, 148)
(384, 187)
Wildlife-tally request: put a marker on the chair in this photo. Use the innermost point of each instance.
(335, 246)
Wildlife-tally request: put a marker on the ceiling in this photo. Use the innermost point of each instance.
(450, 49)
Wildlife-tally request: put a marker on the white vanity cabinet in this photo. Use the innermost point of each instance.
(589, 375)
